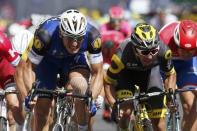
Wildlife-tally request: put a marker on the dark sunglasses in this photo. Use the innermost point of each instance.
(147, 52)
(77, 39)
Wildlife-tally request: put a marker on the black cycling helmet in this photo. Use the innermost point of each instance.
(145, 37)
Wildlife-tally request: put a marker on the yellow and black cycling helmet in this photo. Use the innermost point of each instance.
(145, 37)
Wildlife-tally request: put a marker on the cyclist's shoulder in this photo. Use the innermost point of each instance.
(92, 39)
(92, 31)
(46, 32)
(164, 51)
(124, 50)
(50, 22)
(49, 26)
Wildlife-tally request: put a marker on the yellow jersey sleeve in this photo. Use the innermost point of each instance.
(25, 53)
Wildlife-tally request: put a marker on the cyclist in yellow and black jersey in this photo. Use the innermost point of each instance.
(138, 61)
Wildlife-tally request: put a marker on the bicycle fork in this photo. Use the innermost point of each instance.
(58, 126)
(173, 122)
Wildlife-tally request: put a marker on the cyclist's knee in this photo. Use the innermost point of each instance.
(79, 85)
(12, 102)
(188, 109)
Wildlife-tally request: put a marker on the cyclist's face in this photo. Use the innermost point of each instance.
(185, 54)
(72, 44)
(147, 57)
(115, 23)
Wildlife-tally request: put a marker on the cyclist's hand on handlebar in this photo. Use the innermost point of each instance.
(93, 108)
(99, 102)
(171, 104)
(29, 104)
(26, 103)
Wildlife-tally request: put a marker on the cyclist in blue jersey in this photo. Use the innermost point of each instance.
(62, 43)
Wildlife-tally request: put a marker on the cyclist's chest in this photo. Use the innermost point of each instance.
(132, 62)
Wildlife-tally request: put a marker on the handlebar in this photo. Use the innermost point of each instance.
(146, 96)
(60, 92)
(141, 97)
(186, 89)
(4, 92)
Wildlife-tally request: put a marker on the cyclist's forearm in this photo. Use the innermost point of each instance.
(109, 93)
(29, 78)
(170, 81)
(96, 84)
(20, 85)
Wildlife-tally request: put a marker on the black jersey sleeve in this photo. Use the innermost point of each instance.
(94, 40)
(41, 41)
(115, 68)
(166, 63)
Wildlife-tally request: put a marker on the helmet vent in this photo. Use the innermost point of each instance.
(151, 34)
(76, 11)
(73, 23)
(69, 11)
(144, 35)
(67, 23)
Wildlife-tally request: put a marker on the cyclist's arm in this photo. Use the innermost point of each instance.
(168, 68)
(111, 78)
(96, 63)
(170, 81)
(97, 79)
(19, 79)
(109, 93)
(24, 76)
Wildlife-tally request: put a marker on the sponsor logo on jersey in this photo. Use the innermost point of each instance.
(37, 44)
(168, 54)
(97, 43)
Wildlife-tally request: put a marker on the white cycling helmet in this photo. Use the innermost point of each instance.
(73, 23)
(21, 41)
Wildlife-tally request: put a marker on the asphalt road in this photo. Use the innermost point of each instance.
(101, 125)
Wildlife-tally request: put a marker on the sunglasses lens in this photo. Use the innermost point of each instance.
(154, 51)
(77, 39)
(147, 52)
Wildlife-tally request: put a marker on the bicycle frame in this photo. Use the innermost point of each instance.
(172, 122)
(142, 122)
(64, 111)
(173, 118)
(64, 106)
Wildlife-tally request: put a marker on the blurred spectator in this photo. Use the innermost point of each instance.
(162, 17)
(6, 14)
(190, 14)
(6, 10)
(117, 21)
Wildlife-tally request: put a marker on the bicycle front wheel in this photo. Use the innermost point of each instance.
(3, 124)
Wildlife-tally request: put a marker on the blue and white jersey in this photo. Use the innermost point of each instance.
(51, 57)
(48, 43)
